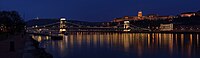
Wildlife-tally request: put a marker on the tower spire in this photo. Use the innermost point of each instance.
(140, 14)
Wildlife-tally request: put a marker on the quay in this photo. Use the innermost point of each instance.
(20, 45)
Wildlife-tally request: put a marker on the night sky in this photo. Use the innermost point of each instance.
(96, 10)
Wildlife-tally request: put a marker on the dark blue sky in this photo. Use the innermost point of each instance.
(97, 10)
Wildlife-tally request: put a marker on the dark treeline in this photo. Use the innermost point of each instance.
(194, 20)
(151, 23)
(11, 22)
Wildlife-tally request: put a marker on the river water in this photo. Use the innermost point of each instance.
(122, 45)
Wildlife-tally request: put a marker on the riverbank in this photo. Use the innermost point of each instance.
(3, 36)
(12, 46)
(20, 46)
(32, 50)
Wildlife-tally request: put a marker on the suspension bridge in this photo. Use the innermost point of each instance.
(63, 26)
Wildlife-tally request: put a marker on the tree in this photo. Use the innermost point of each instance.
(11, 21)
(198, 13)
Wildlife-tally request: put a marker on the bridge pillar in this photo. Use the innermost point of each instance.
(63, 25)
(126, 26)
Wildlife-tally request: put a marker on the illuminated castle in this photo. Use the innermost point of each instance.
(141, 17)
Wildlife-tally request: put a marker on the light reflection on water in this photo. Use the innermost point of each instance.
(122, 45)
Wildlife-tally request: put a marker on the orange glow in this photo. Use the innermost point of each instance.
(197, 40)
(191, 39)
(39, 38)
(182, 40)
(171, 43)
(138, 42)
(148, 40)
(71, 40)
(140, 14)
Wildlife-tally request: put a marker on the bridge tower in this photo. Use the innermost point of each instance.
(63, 25)
(127, 26)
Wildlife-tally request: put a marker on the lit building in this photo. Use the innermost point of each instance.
(141, 17)
(125, 18)
(188, 14)
(127, 26)
(166, 27)
(151, 17)
(182, 27)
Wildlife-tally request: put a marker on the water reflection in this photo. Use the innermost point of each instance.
(123, 45)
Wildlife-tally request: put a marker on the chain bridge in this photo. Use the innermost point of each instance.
(65, 26)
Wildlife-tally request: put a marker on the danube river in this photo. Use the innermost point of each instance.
(122, 45)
